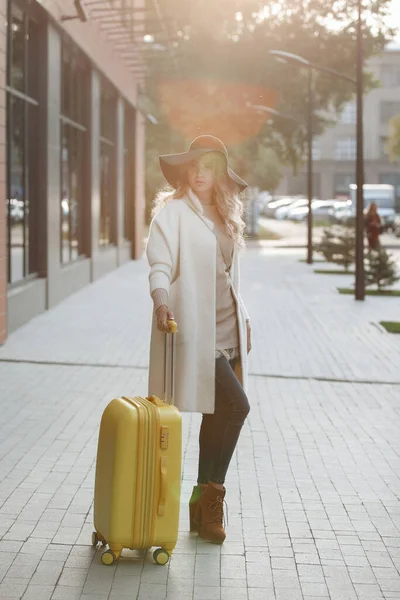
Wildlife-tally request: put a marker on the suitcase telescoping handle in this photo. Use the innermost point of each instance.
(169, 363)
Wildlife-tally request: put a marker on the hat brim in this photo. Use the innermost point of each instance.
(170, 164)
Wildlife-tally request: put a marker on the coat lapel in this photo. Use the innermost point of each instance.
(194, 202)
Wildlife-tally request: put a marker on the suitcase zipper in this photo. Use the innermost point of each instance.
(149, 480)
(152, 465)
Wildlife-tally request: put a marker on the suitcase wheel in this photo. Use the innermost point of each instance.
(108, 557)
(161, 556)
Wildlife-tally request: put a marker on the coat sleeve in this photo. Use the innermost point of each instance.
(162, 250)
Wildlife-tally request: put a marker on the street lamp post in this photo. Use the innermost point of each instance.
(288, 57)
(310, 171)
(360, 276)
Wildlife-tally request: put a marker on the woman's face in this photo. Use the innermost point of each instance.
(201, 176)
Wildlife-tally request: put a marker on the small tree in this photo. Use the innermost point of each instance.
(346, 250)
(338, 246)
(380, 269)
(327, 245)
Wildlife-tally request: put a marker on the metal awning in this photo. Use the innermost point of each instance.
(141, 33)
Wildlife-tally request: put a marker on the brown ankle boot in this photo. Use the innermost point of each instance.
(194, 507)
(211, 506)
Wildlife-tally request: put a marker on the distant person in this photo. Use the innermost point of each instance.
(373, 226)
(193, 250)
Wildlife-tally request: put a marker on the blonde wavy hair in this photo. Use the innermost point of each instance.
(227, 200)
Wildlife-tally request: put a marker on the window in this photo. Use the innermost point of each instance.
(316, 150)
(392, 179)
(390, 75)
(345, 149)
(341, 184)
(108, 115)
(349, 113)
(389, 110)
(74, 100)
(22, 143)
(129, 165)
(382, 147)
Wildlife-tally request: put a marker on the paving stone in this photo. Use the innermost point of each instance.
(315, 589)
(207, 593)
(10, 546)
(47, 573)
(21, 572)
(362, 575)
(94, 596)
(152, 591)
(307, 559)
(38, 592)
(288, 594)
(234, 593)
(379, 559)
(310, 573)
(282, 563)
(368, 590)
(63, 592)
(118, 595)
(385, 572)
(11, 590)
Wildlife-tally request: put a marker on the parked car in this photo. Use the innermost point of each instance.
(273, 205)
(320, 211)
(342, 213)
(282, 212)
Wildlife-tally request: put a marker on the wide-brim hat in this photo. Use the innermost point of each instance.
(170, 163)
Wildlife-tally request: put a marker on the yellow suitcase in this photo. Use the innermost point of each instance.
(138, 472)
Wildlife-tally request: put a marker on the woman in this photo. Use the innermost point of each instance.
(373, 226)
(193, 251)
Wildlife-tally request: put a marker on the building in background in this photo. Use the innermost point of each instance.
(335, 151)
(72, 153)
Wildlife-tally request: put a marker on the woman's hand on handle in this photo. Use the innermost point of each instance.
(164, 315)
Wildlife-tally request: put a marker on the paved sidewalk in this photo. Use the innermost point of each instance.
(313, 491)
(302, 326)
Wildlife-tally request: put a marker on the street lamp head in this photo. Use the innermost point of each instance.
(272, 111)
(262, 108)
(289, 57)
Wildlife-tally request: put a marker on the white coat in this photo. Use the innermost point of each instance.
(181, 250)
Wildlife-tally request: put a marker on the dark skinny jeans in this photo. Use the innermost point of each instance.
(220, 431)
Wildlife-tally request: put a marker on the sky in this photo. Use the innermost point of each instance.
(395, 17)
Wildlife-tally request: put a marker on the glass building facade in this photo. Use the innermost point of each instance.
(73, 198)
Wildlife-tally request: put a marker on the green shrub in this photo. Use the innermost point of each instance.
(380, 269)
(338, 246)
